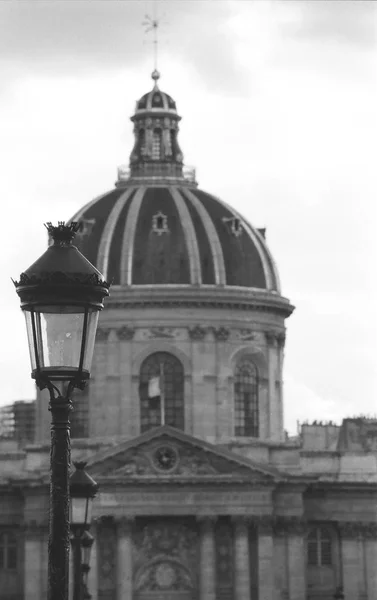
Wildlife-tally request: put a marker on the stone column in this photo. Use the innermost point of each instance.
(207, 576)
(271, 411)
(266, 575)
(371, 559)
(296, 559)
(124, 558)
(33, 565)
(351, 567)
(371, 564)
(241, 559)
(93, 573)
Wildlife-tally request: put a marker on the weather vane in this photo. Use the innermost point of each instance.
(152, 24)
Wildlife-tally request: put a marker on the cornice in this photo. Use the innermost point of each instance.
(341, 486)
(200, 296)
(358, 529)
(181, 481)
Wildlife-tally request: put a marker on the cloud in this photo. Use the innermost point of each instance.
(63, 37)
(351, 22)
(304, 403)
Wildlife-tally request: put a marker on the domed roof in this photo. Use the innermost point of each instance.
(155, 100)
(157, 228)
(173, 234)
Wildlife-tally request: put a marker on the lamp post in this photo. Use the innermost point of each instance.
(82, 490)
(86, 548)
(61, 295)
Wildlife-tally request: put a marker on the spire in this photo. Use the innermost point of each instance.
(152, 24)
(156, 153)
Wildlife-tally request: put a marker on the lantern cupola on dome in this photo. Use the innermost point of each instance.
(156, 153)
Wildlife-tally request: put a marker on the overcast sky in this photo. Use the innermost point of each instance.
(279, 116)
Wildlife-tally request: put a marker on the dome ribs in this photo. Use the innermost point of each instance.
(98, 210)
(190, 236)
(109, 269)
(115, 249)
(160, 258)
(205, 251)
(216, 249)
(126, 256)
(244, 258)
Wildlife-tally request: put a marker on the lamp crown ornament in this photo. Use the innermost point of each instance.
(62, 233)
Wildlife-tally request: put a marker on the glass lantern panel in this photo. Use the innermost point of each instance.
(29, 316)
(90, 339)
(59, 338)
(85, 554)
(78, 511)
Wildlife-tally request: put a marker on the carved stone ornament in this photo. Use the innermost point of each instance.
(197, 333)
(270, 337)
(161, 332)
(164, 557)
(221, 333)
(125, 333)
(290, 526)
(280, 338)
(102, 334)
(358, 529)
(246, 335)
(165, 458)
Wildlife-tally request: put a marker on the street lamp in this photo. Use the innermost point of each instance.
(61, 295)
(82, 489)
(86, 548)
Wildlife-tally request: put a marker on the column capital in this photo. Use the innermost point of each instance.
(124, 524)
(265, 524)
(104, 521)
(358, 529)
(33, 529)
(206, 520)
(270, 336)
(240, 521)
(291, 525)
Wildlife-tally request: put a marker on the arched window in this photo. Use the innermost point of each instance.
(319, 546)
(142, 142)
(156, 146)
(246, 413)
(8, 551)
(161, 389)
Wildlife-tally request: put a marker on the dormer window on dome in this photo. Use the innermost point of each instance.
(234, 224)
(160, 223)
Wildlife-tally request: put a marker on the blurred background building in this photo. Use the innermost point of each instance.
(203, 495)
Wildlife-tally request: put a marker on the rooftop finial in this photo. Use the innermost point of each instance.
(152, 24)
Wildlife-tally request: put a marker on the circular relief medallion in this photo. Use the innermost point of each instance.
(165, 458)
(165, 575)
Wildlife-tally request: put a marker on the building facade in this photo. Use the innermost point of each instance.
(203, 496)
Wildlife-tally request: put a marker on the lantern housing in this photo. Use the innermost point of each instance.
(61, 295)
(82, 489)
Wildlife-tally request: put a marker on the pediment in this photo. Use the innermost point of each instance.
(167, 453)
